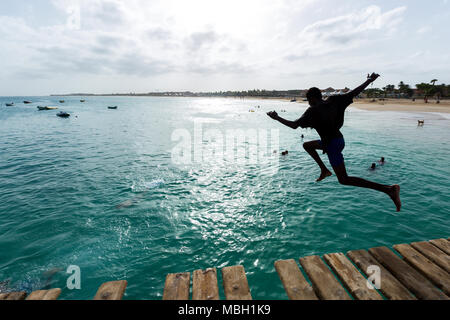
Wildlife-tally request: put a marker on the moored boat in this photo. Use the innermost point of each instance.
(27, 102)
(82, 100)
(113, 108)
(10, 104)
(61, 101)
(63, 114)
(46, 108)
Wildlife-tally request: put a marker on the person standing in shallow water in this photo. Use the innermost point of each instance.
(327, 118)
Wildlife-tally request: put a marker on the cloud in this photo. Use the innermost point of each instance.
(159, 33)
(178, 41)
(199, 40)
(346, 32)
(424, 30)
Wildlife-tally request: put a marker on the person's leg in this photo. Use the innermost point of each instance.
(391, 191)
(311, 148)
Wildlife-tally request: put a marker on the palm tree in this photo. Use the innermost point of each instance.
(433, 89)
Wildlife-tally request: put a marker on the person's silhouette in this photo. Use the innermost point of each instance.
(327, 117)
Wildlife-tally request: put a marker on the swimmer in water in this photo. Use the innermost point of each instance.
(148, 186)
(381, 161)
(327, 117)
(373, 167)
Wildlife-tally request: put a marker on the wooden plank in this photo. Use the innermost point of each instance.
(4, 295)
(350, 277)
(437, 275)
(442, 244)
(390, 286)
(16, 296)
(235, 283)
(407, 275)
(52, 294)
(295, 284)
(112, 290)
(177, 286)
(433, 253)
(324, 283)
(204, 285)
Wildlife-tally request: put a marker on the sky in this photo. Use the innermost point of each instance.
(117, 46)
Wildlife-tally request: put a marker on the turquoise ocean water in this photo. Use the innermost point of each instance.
(100, 190)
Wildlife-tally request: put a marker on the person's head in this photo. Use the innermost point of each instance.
(373, 166)
(314, 96)
(382, 159)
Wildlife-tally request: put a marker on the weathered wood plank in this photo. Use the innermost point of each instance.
(442, 244)
(16, 296)
(4, 295)
(51, 294)
(324, 283)
(295, 284)
(407, 275)
(433, 253)
(235, 283)
(350, 277)
(390, 286)
(177, 286)
(437, 275)
(112, 290)
(204, 285)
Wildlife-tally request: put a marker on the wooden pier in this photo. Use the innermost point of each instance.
(416, 271)
(113, 290)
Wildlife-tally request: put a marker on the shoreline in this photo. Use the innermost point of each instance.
(403, 105)
(398, 105)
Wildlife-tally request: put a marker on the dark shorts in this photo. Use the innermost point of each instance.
(334, 151)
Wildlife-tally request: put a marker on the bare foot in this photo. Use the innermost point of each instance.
(395, 196)
(323, 175)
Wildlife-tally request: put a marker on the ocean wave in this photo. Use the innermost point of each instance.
(141, 186)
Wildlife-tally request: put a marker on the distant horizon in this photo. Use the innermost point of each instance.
(193, 92)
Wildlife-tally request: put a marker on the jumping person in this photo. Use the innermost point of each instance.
(327, 117)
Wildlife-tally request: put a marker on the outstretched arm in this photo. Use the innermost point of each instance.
(355, 92)
(290, 124)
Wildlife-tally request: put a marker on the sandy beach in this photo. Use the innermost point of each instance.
(403, 105)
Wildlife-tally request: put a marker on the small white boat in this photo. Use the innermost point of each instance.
(46, 108)
(10, 104)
